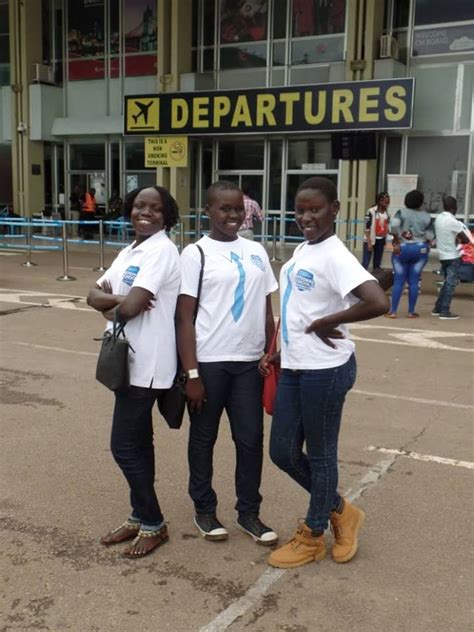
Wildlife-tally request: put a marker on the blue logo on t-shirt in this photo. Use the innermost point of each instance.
(257, 261)
(304, 280)
(130, 274)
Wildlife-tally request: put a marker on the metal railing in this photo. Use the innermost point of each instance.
(35, 235)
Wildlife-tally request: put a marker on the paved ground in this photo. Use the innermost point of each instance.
(406, 456)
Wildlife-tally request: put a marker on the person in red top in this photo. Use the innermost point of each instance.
(88, 211)
(376, 230)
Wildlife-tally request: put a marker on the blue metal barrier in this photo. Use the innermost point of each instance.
(33, 241)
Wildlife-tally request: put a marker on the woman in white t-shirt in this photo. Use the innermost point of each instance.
(376, 230)
(220, 354)
(318, 369)
(141, 287)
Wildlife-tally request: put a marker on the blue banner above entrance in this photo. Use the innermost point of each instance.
(357, 105)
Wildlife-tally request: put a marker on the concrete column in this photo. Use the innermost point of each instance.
(27, 155)
(358, 179)
(181, 42)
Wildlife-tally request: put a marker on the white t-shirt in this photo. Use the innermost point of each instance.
(446, 229)
(237, 278)
(314, 283)
(154, 266)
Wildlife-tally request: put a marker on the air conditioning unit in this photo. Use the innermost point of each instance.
(388, 47)
(43, 74)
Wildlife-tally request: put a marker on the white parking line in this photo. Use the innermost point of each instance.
(423, 457)
(32, 346)
(256, 592)
(415, 400)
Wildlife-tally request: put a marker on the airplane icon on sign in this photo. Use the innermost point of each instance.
(144, 110)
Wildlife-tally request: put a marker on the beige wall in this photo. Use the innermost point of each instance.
(25, 51)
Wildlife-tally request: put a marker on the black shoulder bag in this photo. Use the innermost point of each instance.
(172, 402)
(112, 364)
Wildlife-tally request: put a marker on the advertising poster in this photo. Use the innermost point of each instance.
(85, 39)
(140, 37)
(318, 17)
(97, 182)
(243, 21)
(398, 186)
(443, 40)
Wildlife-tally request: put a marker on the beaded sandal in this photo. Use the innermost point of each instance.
(150, 539)
(126, 531)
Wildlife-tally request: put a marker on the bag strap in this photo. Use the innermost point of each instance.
(118, 328)
(272, 348)
(201, 273)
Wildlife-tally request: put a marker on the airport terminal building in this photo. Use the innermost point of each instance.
(264, 93)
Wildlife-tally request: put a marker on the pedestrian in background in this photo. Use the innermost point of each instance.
(449, 233)
(318, 370)
(376, 231)
(88, 211)
(75, 208)
(253, 212)
(412, 231)
(115, 206)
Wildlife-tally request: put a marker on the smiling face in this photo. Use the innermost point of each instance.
(147, 214)
(226, 213)
(315, 215)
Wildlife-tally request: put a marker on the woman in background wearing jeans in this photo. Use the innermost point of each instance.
(412, 230)
(318, 369)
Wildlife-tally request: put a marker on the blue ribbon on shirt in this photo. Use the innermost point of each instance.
(284, 306)
(239, 301)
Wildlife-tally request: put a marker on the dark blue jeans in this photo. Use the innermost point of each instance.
(235, 387)
(132, 449)
(451, 269)
(377, 252)
(407, 267)
(309, 410)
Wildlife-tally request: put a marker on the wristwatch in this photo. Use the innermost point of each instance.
(192, 374)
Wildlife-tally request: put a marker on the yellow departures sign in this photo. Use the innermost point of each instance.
(325, 107)
(166, 151)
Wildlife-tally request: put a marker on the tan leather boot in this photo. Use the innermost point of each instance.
(302, 549)
(345, 527)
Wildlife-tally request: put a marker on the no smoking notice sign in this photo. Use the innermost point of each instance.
(166, 151)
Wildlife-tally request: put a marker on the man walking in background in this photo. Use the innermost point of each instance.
(88, 211)
(449, 232)
(252, 212)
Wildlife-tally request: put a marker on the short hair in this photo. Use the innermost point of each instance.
(381, 196)
(220, 185)
(414, 199)
(170, 206)
(450, 203)
(318, 183)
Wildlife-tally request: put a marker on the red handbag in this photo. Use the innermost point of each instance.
(270, 381)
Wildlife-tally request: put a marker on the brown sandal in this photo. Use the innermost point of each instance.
(146, 542)
(126, 531)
